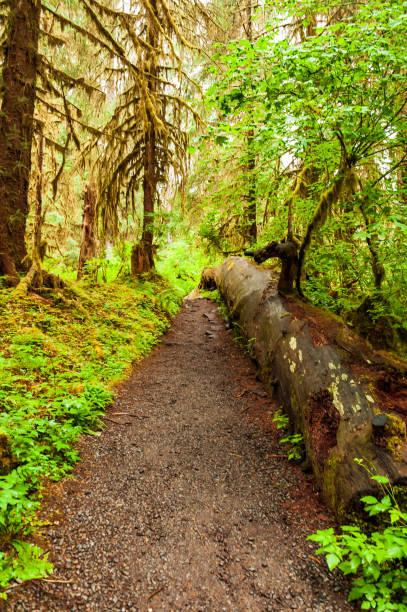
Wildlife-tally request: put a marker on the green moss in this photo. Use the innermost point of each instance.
(394, 436)
(329, 477)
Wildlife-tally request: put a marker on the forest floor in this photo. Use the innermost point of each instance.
(184, 502)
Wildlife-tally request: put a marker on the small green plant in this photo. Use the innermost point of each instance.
(249, 346)
(15, 505)
(296, 440)
(379, 559)
(24, 562)
(281, 419)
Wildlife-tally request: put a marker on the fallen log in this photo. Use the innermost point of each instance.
(331, 382)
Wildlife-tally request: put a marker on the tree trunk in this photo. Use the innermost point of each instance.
(251, 193)
(142, 257)
(16, 131)
(146, 252)
(330, 381)
(372, 240)
(88, 242)
(251, 157)
(34, 277)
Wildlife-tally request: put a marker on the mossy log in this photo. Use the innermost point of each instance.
(329, 380)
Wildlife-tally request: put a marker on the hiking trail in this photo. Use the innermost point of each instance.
(185, 501)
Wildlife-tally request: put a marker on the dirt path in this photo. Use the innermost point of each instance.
(181, 506)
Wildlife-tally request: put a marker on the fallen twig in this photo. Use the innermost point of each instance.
(131, 415)
(117, 422)
(55, 580)
(161, 588)
(314, 559)
(246, 409)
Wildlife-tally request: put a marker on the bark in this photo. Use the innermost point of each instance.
(142, 259)
(251, 194)
(34, 277)
(149, 194)
(88, 242)
(16, 131)
(329, 380)
(378, 270)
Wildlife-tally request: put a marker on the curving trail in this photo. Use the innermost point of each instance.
(182, 504)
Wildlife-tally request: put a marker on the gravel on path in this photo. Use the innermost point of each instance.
(184, 502)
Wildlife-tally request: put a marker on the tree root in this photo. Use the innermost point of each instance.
(35, 279)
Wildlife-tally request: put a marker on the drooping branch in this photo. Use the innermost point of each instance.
(301, 186)
(345, 178)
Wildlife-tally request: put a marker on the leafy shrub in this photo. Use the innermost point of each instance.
(379, 559)
(295, 441)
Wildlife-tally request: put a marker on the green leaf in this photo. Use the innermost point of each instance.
(332, 561)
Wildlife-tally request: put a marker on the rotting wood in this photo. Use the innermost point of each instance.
(330, 382)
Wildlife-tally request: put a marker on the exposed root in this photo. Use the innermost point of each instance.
(35, 279)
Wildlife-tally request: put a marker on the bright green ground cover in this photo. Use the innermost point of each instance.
(60, 355)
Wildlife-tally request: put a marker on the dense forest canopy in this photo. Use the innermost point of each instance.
(234, 123)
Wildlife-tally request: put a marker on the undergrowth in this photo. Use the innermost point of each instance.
(376, 559)
(60, 355)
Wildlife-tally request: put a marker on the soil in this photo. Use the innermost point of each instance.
(186, 501)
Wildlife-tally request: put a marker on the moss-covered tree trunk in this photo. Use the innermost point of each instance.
(88, 242)
(142, 259)
(143, 254)
(330, 381)
(16, 131)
